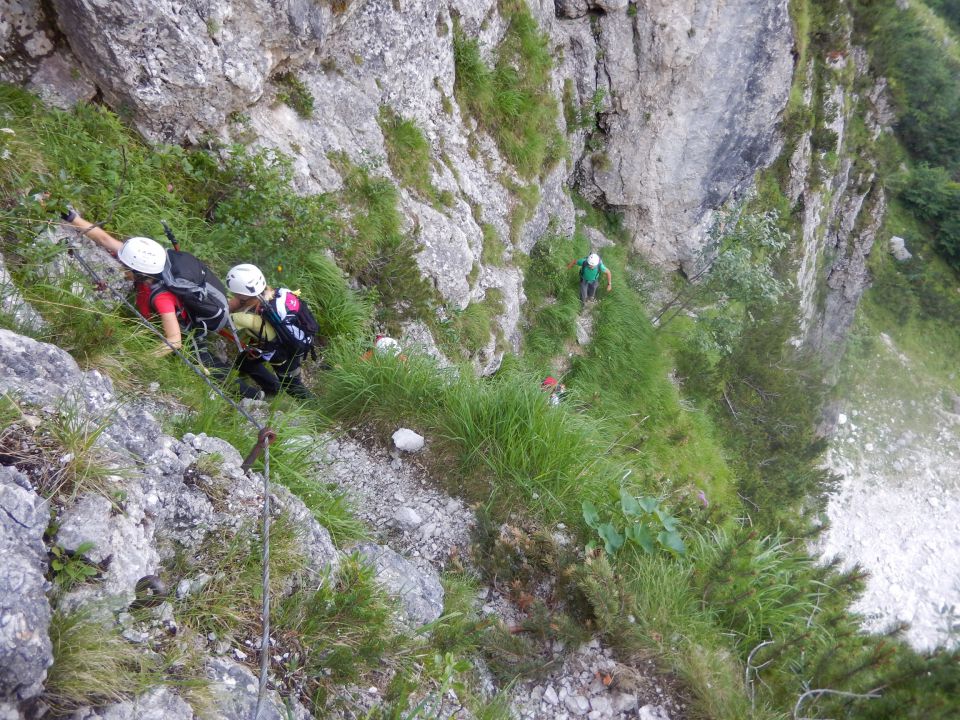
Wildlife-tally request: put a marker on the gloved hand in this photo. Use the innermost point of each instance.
(70, 215)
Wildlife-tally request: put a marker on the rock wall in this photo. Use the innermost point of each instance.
(694, 92)
(160, 505)
(692, 96)
(842, 207)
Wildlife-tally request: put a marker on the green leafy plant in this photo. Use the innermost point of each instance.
(293, 92)
(71, 568)
(642, 522)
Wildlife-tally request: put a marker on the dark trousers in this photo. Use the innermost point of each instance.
(219, 370)
(588, 290)
(285, 374)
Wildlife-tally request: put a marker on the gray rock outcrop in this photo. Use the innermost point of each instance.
(182, 68)
(842, 216)
(25, 649)
(898, 248)
(235, 689)
(123, 541)
(417, 587)
(694, 91)
(158, 704)
(12, 305)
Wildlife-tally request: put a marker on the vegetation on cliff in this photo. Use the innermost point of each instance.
(724, 457)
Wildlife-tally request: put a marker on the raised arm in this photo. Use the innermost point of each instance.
(572, 263)
(100, 236)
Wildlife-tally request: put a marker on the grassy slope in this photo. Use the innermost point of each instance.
(700, 614)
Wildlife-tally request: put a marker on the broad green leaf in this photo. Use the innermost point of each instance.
(591, 516)
(649, 504)
(629, 504)
(612, 540)
(669, 522)
(640, 534)
(672, 541)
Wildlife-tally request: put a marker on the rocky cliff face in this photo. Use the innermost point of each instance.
(677, 105)
(842, 200)
(694, 93)
(156, 501)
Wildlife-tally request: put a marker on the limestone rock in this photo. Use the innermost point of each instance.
(235, 689)
(653, 712)
(610, 5)
(898, 248)
(696, 90)
(577, 704)
(416, 337)
(12, 304)
(408, 518)
(597, 239)
(852, 205)
(59, 81)
(319, 551)
(407, 440)
(25, 650)
(418, 588)
(571, 9)
(623, 702)
(121, 539)
(181, 68)
(158, 704)
(26, 37)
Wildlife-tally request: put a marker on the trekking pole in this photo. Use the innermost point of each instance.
(170, 236)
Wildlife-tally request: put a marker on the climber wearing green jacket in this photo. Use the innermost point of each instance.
(590, 269)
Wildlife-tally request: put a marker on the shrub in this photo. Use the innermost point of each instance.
(293, 92)
(935, 199)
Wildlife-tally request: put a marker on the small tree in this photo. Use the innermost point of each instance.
(736, 275)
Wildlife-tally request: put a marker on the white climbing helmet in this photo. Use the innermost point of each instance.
(143, 255)
(593, 259)
(386, 346)
(246, 279)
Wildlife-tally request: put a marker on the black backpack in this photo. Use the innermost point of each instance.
(296, 326)
(200, 292)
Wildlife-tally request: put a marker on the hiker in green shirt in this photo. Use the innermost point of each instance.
(590, 269)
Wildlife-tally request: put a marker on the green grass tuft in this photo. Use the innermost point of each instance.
(408, 154)
(92, 664)
(513, 100)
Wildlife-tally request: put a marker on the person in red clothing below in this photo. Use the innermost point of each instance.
(145, 259)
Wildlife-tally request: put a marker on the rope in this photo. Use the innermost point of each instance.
(265, 437)
(265, 640)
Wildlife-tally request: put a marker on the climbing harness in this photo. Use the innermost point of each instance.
(264, 438)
